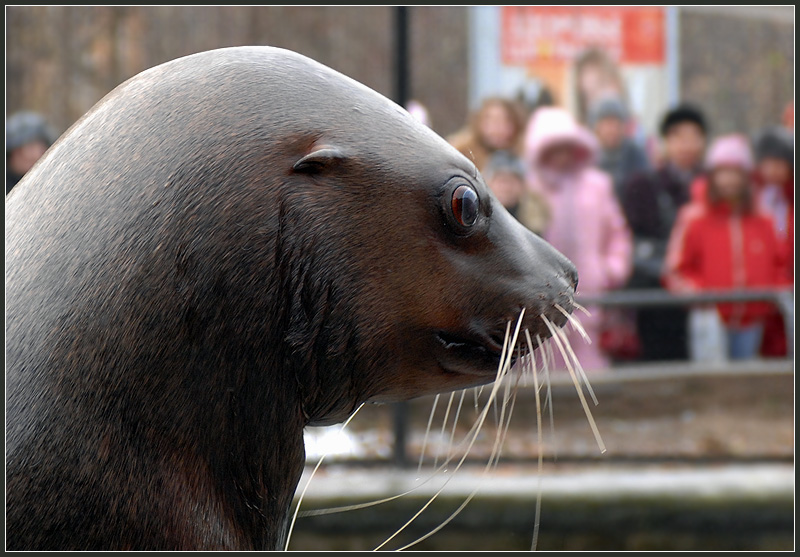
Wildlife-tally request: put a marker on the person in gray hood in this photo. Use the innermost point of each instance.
(28, 136)
(619, 154)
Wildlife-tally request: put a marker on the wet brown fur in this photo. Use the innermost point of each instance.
(184, 297)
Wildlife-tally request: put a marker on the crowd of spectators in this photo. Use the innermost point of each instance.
(684, 211)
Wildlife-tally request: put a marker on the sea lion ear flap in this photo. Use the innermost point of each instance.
(319, 159)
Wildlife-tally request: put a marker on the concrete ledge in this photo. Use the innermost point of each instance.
(668, 412)
(595, 507)
(699, 458)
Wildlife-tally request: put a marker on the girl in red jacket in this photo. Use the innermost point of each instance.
(722, 243)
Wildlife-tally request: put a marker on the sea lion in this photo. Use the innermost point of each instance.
(229, 247)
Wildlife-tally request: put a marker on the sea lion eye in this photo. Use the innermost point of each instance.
(465, 205)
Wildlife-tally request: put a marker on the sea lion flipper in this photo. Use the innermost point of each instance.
(318, 159)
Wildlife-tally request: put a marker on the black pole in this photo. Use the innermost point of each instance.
(401, 73)
(401, 88)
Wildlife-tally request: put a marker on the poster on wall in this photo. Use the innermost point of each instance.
(550, 43)
(537, 34)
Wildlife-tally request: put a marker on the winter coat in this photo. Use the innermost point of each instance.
(778, 202)
(627, 160)
(773, 201)
(651, 201)
(586, 222)
(715, 248)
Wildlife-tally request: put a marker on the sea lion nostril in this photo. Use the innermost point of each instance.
(566, 269)
(571, 273)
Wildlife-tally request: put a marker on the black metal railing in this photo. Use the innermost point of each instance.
(782, 298)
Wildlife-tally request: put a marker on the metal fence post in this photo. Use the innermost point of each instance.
(401, 95)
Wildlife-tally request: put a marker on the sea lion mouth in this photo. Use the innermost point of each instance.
(471, 353)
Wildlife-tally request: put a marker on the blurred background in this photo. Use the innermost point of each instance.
(699, 438)
(738, 62)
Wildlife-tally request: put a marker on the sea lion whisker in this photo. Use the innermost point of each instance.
(540, 461)
(505, 427)
(443, 524)
(495, 453)
(496, 413)
(510, 395)
(576, 324)
(502, 370)
(586, 409)
(444, 426)
(524, 369)
(454, 513)
(313, 472)
(479, 392)
(455, 423)
(514, 338)
(493, 459)
(503, 356)
(546, 350)
(474, 430)
(357, 506)
(577, 306)
(548, 402)
(578, 366)
(427, 431)
(499, 420)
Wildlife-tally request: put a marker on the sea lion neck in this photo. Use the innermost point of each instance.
(227, 248)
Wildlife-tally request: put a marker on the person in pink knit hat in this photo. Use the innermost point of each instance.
(721, 242)
(586, 222)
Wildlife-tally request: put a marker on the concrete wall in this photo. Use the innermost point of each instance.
(738, 67)
(736, 62)
(61, 60)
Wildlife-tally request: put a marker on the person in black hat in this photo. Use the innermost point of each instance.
(651, 201)
(28, 136)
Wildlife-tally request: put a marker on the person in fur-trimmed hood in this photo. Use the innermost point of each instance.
(586, 222)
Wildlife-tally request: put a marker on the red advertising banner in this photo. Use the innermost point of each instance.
(632, 35)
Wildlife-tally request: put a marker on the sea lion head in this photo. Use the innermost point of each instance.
(414, 269)
(251, 209)
(229, 247)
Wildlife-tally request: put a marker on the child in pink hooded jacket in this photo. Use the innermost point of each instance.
(586, 224)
